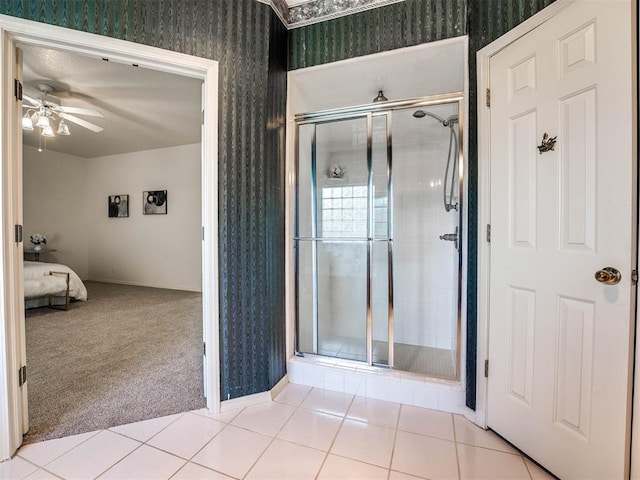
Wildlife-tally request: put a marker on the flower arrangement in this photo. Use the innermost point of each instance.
(38, 238)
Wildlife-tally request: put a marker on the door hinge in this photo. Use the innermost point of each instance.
(17, 89)
(488, 233)
(634, 276)
(204, 348)
(203, 234)
(202, 117)
(486, 369)
(488, 97)
(18, 233)
(22, 375)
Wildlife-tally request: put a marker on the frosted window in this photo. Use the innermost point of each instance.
(344, 212)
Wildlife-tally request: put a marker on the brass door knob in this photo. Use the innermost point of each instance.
(608, 276)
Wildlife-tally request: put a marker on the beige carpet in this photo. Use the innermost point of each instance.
(127, 354)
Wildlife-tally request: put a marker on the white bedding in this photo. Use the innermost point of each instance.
(36, 270)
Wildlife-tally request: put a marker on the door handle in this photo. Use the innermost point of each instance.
(608, 276)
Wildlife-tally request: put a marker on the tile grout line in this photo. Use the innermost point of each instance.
(38, 467)
(455, 444)
(119, 461)
(395, 438)
(268, 445)
(152, 436)
(190, 459)
(95, 433)
(527, 467)
(344, 417)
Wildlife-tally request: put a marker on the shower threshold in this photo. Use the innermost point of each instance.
(358, 378)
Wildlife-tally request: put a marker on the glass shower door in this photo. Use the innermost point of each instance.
(332, 238)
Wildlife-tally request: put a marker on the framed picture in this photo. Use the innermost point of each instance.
(154, 202)
(118, 206)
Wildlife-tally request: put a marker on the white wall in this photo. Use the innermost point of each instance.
(65, 197)
(55, 192)
(151, 250)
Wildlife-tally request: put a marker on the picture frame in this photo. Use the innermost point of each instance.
(154, 202)
(118, 206)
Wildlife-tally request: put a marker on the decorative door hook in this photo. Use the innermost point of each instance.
(547, 143)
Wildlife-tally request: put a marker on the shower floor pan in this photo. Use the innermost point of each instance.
(431, 361)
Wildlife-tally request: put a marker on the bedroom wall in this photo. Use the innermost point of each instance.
(151, 250)
(55, 190)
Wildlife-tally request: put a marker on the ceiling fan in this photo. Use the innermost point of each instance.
(42, 112)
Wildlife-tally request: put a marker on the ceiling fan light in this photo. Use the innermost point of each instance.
(27, 124)
(63, 128)
(43, 122)
(47, 131)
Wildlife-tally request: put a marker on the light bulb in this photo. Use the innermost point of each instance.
(27, 124)
(43, 122)
(47, 132)
(63, 128)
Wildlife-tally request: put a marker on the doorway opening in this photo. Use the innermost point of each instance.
(14, 412)
(116, 135)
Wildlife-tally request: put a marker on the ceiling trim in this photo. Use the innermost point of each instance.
(316, 11)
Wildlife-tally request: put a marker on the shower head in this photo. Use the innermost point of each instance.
(445, 122)
(451, 119)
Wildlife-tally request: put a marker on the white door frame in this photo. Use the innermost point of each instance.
(15, 31)
(484, 209)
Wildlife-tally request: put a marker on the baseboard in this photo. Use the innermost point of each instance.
(278, 387)
(256, 398)
(143, 284)
(246, 401)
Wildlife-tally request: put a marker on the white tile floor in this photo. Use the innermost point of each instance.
(306, 433)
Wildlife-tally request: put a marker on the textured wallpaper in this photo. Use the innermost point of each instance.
(385, 28)
(250, 43)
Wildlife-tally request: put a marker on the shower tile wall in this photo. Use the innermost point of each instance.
(426, 279)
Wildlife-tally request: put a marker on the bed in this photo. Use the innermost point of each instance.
(51, 284)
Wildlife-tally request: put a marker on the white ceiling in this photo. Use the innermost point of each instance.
(143, 109)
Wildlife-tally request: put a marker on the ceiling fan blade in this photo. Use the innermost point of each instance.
(82, 111)
(81, 122)
(32, 101)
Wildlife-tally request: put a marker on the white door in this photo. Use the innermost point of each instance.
(16, 269)
(559, 340)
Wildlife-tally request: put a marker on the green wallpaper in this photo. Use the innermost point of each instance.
(250, 43)
(394, 26)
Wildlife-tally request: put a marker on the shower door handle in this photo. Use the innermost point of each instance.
(451, 237)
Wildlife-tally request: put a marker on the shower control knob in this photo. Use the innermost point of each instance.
(451, 237)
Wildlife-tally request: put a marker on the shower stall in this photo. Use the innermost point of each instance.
(377, 231)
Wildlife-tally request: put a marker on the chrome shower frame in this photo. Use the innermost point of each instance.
(368, 111)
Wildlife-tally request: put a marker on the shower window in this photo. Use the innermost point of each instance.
(344, 212)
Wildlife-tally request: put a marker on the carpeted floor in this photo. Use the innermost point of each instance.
(127, 354)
